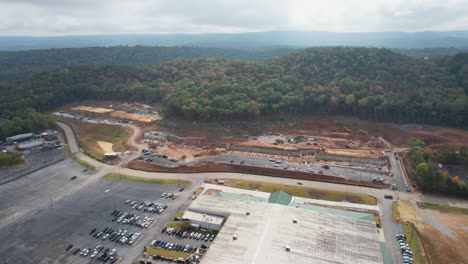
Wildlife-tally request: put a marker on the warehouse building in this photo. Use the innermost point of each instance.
(20, 137)
(262, 229)
(30, 145)
(204, 220)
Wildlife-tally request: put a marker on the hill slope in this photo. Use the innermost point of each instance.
(20, 64)
(433, 39)
(369, 83)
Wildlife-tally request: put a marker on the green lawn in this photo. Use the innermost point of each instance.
(179, 225)
(178, 214)
(395, 213)
(166, 253)
(444, 208)
(116, 176)
(302, 191)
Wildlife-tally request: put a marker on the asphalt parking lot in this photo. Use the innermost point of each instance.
(41, 235)
(352, 173)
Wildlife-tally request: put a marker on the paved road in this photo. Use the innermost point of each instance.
(398, 175)
(389, 228)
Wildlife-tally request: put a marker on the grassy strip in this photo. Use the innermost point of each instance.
(178, 214)
(166, 253)
(377, 219)
(444, 208)
(395, 213)
(412, 237)
(82, 163)
(302, 191)
(179, 225)
(116, 176)
(199, 190)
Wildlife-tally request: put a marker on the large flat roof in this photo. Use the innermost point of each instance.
(262, 236)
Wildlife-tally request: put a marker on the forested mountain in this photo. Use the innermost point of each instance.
(428, 39)
(370, 83)
(21, 64)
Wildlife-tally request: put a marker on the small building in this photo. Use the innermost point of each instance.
(111, 155)
(204, 220)
(30, 145)
(20, 137)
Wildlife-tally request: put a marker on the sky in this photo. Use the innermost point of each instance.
(80, 17)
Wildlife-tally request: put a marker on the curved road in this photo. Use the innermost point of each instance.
(385, 205)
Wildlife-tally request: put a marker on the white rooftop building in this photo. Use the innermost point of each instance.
(260, 232)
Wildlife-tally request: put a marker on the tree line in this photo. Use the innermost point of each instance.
(26, 121)
(429, 176)
(375, 84)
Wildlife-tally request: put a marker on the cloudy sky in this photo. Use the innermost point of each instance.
(73, 17)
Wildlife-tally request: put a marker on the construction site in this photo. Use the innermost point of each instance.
(339, 149)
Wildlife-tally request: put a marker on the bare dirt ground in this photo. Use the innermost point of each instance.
(211, 192)
(437, 136)
(91, 134)
(443, 248)
(440, 246)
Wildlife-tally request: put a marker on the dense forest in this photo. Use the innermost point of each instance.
(23, 64)
(26, 121)
(375, 84)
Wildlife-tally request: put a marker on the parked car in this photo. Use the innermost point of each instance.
(388, 197)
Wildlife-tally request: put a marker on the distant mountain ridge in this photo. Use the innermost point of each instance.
(429, 39)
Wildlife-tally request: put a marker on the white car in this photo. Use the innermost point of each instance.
(106, 191)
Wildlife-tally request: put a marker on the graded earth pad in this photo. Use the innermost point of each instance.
(96, 110)
(442, 247)
(106, 146)
(135, 117)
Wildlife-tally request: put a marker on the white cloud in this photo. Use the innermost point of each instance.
(67, 17)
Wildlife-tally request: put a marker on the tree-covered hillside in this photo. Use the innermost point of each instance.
(370, 83)
(21, 64)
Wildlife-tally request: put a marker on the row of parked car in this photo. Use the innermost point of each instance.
(173, 246)
(104, 257)
(122, 236)
(150, 207)
(132, 219)
(188, 234)
(405, 249)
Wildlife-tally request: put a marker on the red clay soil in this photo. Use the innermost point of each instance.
(442, 137)
(215, 167)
